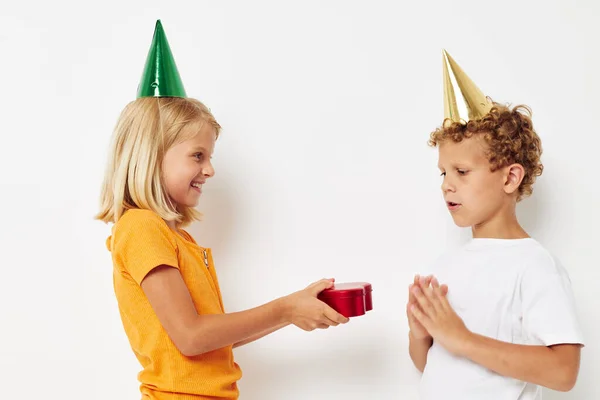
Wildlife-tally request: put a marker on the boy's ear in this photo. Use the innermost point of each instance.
(513, 177)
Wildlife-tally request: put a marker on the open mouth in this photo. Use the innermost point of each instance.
(453, 206)
(197, 186)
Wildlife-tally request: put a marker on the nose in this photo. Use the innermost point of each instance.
(447, 186)
(208, 171)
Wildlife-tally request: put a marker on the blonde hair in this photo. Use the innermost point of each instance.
(146, 129)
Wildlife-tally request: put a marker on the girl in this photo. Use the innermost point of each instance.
(165, 283)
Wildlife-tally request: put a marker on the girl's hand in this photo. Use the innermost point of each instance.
(304, 310)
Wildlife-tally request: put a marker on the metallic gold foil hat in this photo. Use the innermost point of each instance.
(161, 77)
(473, 104)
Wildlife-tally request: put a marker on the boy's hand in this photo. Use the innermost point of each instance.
(304, 310)
(434, 313)
(417, 330)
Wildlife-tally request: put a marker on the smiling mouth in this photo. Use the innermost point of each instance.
(197, 185)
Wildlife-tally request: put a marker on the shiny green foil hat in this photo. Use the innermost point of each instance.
(161, 77)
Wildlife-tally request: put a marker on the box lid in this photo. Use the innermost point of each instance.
(349, 289)
(368, 287)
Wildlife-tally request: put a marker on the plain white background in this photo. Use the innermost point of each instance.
(322, 171)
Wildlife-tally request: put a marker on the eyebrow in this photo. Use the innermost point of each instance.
(460, 165)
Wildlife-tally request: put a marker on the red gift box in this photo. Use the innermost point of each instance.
(350, 299)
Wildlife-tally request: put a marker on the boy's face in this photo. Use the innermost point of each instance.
(187, 166)
(473, 194)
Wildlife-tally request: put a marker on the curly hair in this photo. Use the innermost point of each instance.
(510, 138)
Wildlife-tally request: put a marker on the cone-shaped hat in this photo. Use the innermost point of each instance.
(472, 104)
(161, 77)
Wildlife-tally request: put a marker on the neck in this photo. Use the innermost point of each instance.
(172, 225)
(503, 225)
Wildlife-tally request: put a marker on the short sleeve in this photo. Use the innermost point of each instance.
(142, 242)
(549, 310)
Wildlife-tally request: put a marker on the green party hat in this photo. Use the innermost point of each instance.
(161, 77)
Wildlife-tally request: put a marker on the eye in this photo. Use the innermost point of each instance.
(461, 171)
(199, 156)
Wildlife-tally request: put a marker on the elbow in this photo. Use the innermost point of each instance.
(190, 349)
(184, 344)
(198, 337)
(566, 384)
(563, 386)
(566, 368)
(189, 342)
(187, 349)
(190, 346)
(566, 380)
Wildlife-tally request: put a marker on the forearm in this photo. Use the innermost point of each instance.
(211, 332)
(261, 335)
(540, 365)
(418, 349)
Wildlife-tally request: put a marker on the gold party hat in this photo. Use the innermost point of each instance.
(474, 103)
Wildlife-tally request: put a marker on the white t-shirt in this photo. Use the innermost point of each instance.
(511, 290)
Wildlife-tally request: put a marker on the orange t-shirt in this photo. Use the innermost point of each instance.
(141, 241)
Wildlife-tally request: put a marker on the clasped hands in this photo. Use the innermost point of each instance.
(430, 315)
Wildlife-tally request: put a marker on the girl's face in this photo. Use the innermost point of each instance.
(187, 165)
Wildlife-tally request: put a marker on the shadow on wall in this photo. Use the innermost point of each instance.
(322, 370)
(537, 217)
(532, 211)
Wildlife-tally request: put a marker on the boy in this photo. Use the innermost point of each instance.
(504, 323)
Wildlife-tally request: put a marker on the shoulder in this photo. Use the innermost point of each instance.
(139, 224)
(137, 216)
(135, 219)
(539, 262)
(141, 241)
